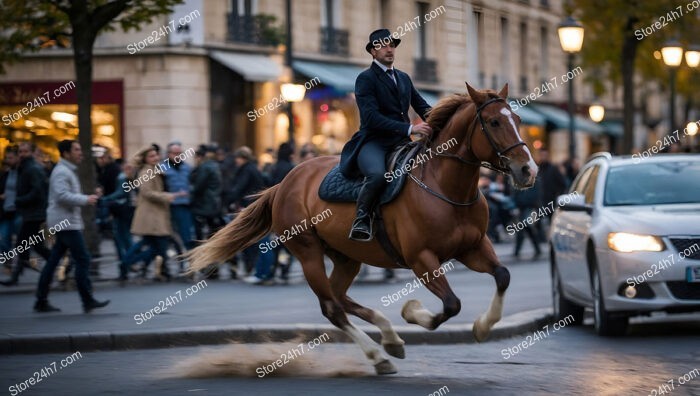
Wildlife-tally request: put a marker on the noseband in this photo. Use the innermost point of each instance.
(502, 166)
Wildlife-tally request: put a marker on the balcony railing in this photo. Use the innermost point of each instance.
(249, 29)
(334, 41)
(425, 70)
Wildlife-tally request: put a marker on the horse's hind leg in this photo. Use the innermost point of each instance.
(307, 248)
(344, 271)
(483, 259)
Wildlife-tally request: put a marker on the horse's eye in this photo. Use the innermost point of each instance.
(495, 123)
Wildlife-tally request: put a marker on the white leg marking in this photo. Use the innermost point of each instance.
(369, 347)
(485, 322)
(413, 312)
(389, 335)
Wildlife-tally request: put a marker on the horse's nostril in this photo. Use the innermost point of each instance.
(526, 170)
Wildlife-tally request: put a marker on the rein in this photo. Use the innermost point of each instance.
(502, 159)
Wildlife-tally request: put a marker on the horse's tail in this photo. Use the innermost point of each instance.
(249, 226)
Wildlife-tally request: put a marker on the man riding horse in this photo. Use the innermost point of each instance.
(383, 95)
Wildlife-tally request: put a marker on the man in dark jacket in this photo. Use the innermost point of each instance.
(247, 180)
(528, 204)
(383, 96)
(205, 192)
(9, 220)
(31, 202)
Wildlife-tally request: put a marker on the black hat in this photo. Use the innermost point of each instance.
(379, 38)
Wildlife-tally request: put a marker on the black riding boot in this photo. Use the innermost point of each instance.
(362, 226)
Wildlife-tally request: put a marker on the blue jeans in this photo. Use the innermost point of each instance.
(9, 227)
(157, 246)
(73, 241)
(121, 224)
(183, 224)
(263, 266)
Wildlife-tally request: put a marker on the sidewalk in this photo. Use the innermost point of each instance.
(225, 310)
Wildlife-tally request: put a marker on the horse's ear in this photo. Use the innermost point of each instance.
(476, 96)
(504, 92)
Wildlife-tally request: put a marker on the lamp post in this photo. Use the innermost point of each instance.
(288, 62)
(571, 40)
(672, 54)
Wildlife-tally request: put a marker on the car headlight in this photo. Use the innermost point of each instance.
(625, 242)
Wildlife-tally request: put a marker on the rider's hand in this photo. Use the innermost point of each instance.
(422, 130)
(92, 199)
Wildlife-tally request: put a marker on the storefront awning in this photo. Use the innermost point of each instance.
(339, 76)
(530, 117)
(613, 128)
(559, 119)
(256, 68)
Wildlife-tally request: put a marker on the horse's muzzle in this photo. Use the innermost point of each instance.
(523, 174)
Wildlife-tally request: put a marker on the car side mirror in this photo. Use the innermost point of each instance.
(574, 202)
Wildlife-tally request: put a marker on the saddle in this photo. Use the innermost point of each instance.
(335, 187)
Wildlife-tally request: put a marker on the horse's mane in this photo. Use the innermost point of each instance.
(443, 111)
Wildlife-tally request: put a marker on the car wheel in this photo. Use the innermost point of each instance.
(606, 324)
(561, 306)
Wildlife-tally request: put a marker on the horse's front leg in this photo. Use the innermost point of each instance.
(413, 311)
(483, 259)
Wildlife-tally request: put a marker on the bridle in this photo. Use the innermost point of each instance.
(503, 160)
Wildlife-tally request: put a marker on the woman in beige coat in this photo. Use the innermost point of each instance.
(152, 216)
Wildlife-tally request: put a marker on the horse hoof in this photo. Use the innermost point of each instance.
(409, 309)
(385, 367)
(395, 350)
(479, 333)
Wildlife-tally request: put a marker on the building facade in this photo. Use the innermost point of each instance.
(213, 72)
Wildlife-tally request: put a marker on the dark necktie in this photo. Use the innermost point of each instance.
(390, 73)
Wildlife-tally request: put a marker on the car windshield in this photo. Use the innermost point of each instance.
(653, 184)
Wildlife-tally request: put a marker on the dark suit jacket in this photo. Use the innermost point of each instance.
(383, 112)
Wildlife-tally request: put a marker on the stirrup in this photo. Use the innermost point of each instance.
(361, 235)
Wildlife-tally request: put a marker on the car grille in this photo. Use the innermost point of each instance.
(684, 291)
(681, 244)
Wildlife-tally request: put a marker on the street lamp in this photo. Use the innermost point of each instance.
(571, 40)
(692, 56)
(597, 112)
(672, 54)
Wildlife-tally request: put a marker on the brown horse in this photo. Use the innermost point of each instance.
(438, 216)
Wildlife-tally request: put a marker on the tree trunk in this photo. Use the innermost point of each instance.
(629, 52)
(82, 58)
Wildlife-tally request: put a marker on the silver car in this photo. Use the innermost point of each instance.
(627, 242)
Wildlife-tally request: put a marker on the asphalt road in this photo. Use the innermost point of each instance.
(227, 302)
(571, 361)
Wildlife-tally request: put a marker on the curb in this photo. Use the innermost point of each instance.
(211, 335)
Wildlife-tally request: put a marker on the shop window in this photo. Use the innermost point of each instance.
(45, 126)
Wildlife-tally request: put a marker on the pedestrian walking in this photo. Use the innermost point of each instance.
(268, 260)
(152, 216)
(31, 202)
(63, 215)
(247, 181)
(527, 201)
(10, 221)
(177, 179)
(121, 207)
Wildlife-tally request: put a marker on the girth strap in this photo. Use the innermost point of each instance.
(384, 241)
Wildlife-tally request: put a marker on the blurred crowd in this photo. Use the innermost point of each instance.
(508, 206)
(157, 204)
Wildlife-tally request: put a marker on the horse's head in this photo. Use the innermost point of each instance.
(496, 139)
